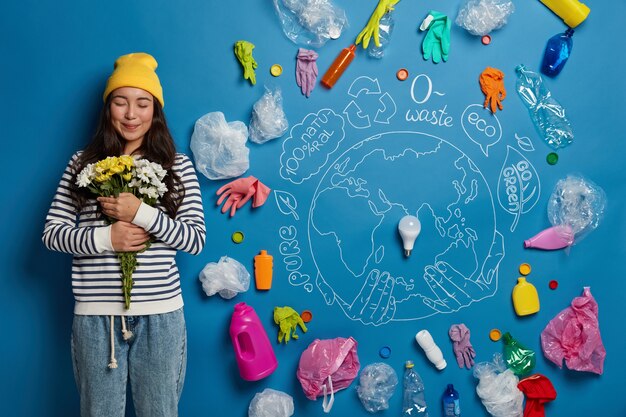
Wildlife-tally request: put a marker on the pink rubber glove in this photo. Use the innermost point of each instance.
(238, 192)
(306, 70)
(463, 350)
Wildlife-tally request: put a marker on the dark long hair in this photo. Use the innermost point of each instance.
(157, 146)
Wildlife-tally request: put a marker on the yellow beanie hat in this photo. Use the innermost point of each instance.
(135, 70)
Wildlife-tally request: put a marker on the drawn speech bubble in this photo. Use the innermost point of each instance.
(482, 127)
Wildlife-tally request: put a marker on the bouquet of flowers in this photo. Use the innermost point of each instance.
(125, 174)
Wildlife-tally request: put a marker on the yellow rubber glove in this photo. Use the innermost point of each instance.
(243, 52)
(288, 321)
(372, 27)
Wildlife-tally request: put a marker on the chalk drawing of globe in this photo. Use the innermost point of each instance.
(353, 218)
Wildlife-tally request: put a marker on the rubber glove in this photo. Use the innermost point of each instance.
(243, 52)
(373, 25)
(288, 321)
(238, 192)
(306, 70)
(463, 349)
(492, 85)
(437, 41)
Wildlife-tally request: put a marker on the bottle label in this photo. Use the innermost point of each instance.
(452, 408)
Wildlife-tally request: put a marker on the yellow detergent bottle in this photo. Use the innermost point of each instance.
(572, 12)
(525, 298)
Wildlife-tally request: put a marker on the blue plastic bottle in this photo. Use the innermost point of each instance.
(451, 407)
(557, 51)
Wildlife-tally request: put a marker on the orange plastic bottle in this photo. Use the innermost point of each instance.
(263, 270)
(339, 65)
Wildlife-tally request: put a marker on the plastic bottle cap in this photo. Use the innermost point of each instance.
(495, 334)
(237, 237)
(486, 40)
(553, 284)
(306, 316)
(276, 70)
(385, 352)
(402, 74)
(552, 158)
(524, 269)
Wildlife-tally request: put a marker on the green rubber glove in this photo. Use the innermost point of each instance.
(437, 41)
(372, 27)
(243, 52)
(288, 321)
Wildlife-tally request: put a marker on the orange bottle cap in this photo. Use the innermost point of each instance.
(495, 334)
(402, 74)
(524, 269)
(306, 316)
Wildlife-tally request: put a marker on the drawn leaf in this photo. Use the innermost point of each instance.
(525, 143)
(287, 203)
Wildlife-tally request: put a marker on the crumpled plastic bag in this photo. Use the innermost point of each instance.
(573, 335)
(497, 388)
(479, 17)
(271, 403)
(377, 383)
(219, 148)
(268, 118)
(310, 22)
(327, 366)
(227, 277)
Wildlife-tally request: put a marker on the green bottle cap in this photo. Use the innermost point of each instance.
(552, 158)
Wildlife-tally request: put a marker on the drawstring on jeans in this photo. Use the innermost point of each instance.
(126, 334)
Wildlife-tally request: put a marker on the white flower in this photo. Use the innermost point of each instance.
(149, 192)
(86, 176)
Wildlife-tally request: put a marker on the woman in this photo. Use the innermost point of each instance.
(146, 344)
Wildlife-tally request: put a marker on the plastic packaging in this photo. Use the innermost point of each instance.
(219, 148)
(497, 388)
(327, 366)
(377, 384)
(572, 12)
(386, 26)
(519, 358)
(263, 270)
(573, 335)
(413, 401)
(253, 350)
(310, 22)
(271, 403)
(525, 298)
(557, 52)
(227, 277)
(547, 114)
(288, 321)
(538, 390)
(433, 353)
(480, 17)
(268, 117)
(451, 403)
(339, 65)
(552, 238)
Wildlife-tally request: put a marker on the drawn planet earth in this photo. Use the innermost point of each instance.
(359, 201)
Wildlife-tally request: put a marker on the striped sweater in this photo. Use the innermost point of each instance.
(96, 273)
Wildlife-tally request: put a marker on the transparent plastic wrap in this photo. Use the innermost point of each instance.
(547, 114)
(219, 147)
(385, 29)
(573, 335)
(310, 22)
(271, 403)
(480, 17)
(227, 277)
(497, 388)
(377, 384)
(268, 117)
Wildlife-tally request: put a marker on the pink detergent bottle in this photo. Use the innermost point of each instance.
(253, 350)
(552, 238)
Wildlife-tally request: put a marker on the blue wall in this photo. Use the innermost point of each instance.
(55, 60)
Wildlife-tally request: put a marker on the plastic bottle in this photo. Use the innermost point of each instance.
(525, 298)
(385, 28)
(413, 401)
(546, 113)
(253, 350)
(572, 12)
(519, 358)
(339, 65)
(451, 406)
(552, 238)
(557, 52)
(433, 353)
(263, 264)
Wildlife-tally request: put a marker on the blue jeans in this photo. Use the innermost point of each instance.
(153, 360)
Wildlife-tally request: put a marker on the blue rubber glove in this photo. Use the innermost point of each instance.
(437, 40)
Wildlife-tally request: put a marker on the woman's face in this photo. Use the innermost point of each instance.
(131, 114)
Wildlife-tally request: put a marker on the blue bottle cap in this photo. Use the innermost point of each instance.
(385, 352)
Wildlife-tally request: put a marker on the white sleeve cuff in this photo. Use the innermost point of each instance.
(102, 239)
(145, 216)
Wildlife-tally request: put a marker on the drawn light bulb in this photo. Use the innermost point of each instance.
(409, 228)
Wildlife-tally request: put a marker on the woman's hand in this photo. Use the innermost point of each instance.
(123, 208)
(127, 237)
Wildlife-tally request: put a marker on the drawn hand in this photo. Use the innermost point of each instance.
(306, 70)
(374, 303)
(243, 52)
(453, 290)
(436, 43)
(372, 27)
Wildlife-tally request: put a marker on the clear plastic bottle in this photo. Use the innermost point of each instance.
(385, 29)
(413, 401)
(451, 405)
(547, 114)
(557, 52)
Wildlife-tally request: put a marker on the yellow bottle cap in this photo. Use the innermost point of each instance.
(276, 70)
(524, 269)
(237, 237)
(495, 334)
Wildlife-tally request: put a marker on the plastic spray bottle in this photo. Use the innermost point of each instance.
(413, 402)
(451, 406)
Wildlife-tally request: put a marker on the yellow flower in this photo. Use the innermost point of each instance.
(103, 177)
(126, 160)
(117, 169)
(128, 176)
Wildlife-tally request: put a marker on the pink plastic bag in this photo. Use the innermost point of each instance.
(327, 366)
(574, 335)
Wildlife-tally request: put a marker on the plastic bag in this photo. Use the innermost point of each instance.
(310, 22)
(268, 118)
(479, 17)
(497, 388)
(377, 383)
(327, 366)
(219, 148)
(271, 403)
(226, 277)
(574, 335)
